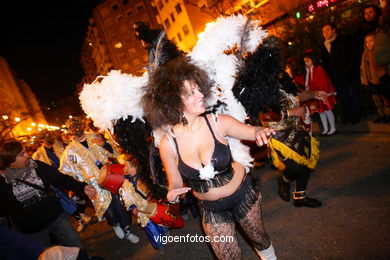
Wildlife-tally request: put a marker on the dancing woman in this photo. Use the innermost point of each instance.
(195, 151)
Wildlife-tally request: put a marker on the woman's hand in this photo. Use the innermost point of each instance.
(90, 191)
(262, 134)
(173, 194)
(320, 95)
(297, 111)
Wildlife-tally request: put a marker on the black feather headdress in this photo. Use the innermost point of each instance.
(257, 80)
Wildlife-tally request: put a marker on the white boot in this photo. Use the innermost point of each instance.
(130, 236)
(119, 231)
(267, 254)
(86, 219)
(332, 122)
(80, 226)
(324, 122)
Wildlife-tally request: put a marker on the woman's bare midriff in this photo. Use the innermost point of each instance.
(226, 190)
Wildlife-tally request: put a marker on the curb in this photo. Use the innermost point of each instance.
(361, 127)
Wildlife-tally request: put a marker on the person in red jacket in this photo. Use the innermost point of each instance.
(316, 78)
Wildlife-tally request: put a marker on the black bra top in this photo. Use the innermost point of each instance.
(221, 160)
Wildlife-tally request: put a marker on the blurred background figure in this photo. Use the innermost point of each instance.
(370, 77)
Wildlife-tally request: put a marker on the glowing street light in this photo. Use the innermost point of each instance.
(17, 119)
(33, 124)
(5, 117)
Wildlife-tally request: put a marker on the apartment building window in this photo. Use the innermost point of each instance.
(132, 51)
(178, 8)
(167, 23)
(121, 56)
(160, 4)
(115, 7)
(172, 17)
(118, 45)
(125, 2)
(122, 28)
(186, 30)
(140, 8)
(136, 62)
(105, 11)
(130, 13)
(119, 18)
(113, 33)
(179, 36)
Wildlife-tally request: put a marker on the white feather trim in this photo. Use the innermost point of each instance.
(207, 172)
(240, 153)
(217, 37)
(159, 133)
(209, 51)
(116, 96)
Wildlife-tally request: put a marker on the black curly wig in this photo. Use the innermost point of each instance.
(162, 99)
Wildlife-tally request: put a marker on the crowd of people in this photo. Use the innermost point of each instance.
(349, 67)
(42, 189)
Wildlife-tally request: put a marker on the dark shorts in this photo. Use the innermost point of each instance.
(231, 208)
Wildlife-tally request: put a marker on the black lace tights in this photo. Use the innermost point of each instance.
(253, 227)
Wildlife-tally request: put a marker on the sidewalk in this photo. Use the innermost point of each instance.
(364, 126)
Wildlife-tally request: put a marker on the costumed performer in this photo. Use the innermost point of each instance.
(270, 99)
(195, 150)
(82, 160)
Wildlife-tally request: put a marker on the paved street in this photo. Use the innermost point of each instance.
(352, 181)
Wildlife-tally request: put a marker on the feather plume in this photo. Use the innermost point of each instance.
(112, 97)
(161, 52)
(210, 51)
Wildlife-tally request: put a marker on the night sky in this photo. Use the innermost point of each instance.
(41, 40)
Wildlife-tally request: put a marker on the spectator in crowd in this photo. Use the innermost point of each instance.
(50, 150)
(317, 79)
(82, 160)
(370, 75)
(337, 56)
(15, 245)
(50, 153)
(26, 197)
(369, 24)
(382, 46)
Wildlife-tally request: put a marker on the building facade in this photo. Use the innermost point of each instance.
(183, 20)
(19, 107)
(110, 42)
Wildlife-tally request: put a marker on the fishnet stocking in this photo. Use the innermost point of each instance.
(223, 250)
(253, 227)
